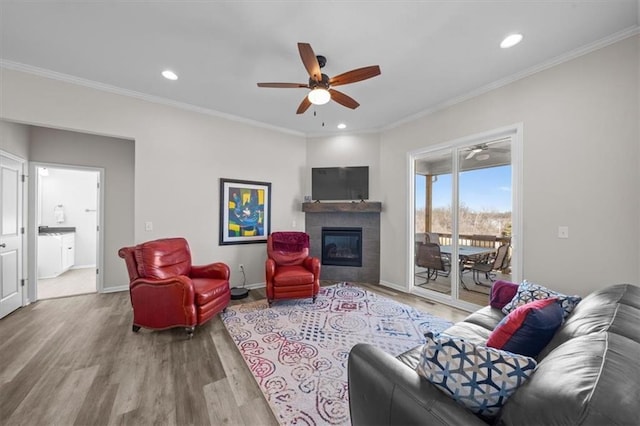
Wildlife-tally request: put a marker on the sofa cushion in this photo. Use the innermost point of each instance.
(588, 380)
(477, 377)
(615, 309)
(501, 293)
(529, 328)
(528, 292)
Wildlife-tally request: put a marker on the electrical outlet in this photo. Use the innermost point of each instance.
(241, 267)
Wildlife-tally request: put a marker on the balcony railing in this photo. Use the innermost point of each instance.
(469, 240)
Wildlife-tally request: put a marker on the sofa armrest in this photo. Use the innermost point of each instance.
(383, 390)
(216, 270)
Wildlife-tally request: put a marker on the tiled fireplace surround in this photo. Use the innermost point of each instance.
(365, 215)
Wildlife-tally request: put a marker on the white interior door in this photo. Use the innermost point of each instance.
(11, 244)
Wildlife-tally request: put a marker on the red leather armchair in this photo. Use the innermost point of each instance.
(290, 272)
(168, 291)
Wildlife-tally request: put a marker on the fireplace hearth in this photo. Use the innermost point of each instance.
(342, 246)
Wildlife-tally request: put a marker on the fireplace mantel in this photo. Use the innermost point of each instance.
(353, 207)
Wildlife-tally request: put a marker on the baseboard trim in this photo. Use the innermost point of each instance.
(115, 289)
(394, 286)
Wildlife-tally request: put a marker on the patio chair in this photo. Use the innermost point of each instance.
(428, 256)
(496, 263)
(432, 237)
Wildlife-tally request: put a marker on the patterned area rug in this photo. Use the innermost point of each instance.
(298, 350)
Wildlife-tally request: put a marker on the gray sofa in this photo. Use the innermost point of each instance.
(589, 374)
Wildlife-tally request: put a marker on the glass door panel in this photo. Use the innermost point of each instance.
(462, 216)
(483, 217)
(433, 222)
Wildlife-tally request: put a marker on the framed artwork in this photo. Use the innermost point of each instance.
(245, 211)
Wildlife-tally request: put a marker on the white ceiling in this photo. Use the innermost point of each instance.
(431, 53)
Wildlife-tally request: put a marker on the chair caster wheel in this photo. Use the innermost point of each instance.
(135, 328)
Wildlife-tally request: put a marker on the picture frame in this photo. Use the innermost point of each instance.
(245, 211)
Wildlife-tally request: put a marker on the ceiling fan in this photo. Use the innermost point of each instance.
(476, 149)
(321, 85)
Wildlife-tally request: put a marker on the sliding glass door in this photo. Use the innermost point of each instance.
(463, 219)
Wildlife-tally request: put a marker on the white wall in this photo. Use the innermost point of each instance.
(14, 138)
(179, 158)
(346, 150)
(76, 192)
(581, 156)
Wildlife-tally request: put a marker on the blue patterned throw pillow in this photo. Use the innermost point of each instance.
(529, 292)
(477, 377)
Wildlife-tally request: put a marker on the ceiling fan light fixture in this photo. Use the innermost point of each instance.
(482, 157)
(319, 96)
(511, 40)
(342, 126)
(169, 75)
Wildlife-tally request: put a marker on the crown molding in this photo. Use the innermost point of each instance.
(614, 38)
(17, 66)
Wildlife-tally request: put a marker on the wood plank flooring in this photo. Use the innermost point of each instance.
(75, 361)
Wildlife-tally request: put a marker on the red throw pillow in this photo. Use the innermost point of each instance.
(501, 293)
(529, 328)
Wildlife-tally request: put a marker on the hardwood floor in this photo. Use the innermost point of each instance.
(75, 361)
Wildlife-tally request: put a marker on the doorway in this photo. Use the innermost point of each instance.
(465, 219)
(68, 236)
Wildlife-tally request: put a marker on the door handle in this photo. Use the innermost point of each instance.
(3, 245)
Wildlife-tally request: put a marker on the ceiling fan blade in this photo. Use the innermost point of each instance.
(343, 99)
(355, 75)
(283, 85)
(310, 61)
(470, 155)
(304, 105)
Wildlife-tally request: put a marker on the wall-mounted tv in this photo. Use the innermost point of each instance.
(340, 183)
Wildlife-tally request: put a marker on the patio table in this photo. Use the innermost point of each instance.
(466, 252)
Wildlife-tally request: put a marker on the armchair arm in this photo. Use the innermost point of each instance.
(383, 390)
(270, 271)
(312, 264)
(163, 303)
(217, 270)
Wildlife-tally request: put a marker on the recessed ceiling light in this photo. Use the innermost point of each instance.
(169, 75)
(511, 40)
(342, 126)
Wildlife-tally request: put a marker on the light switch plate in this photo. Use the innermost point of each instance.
(563, 232)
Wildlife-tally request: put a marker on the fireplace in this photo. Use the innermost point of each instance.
(342, 246)
(361, 216)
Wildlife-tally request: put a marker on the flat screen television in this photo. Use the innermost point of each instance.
(340, 183)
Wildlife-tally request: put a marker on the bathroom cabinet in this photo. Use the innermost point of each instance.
(56, 254)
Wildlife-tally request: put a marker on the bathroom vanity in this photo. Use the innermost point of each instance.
(56, 250)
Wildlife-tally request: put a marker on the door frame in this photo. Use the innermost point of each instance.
(24, 300)
(33, 228)
(515, 132)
